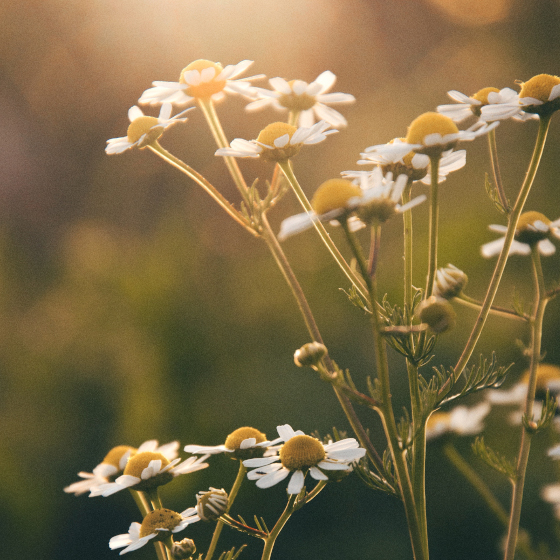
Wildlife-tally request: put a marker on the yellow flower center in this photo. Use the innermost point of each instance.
(527, 234)
(429, 123)
(204, 89)
(159, 519)
(233, 441)
(482, 95)
(301, 452)
(333, 194)
(545, 374)
(115, 455)
(295, 102)
(273, 131)
(539, 87)
(140, 126)
(436, 419)
(140, 461)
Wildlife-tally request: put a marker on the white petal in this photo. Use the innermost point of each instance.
(296, 483)
(546, 248)
(134, 113)
(259, 461)
(493, 248)
(273, 478)
(334, 118)
(296, 224)
(280, 85)
(317, 474)
(336, 98)
(459, 97)
(326, 79)
(212, 450)
(281, 141)
(165, 112)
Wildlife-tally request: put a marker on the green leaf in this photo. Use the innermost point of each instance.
(492, 193)
(495, 460)
(547, 415)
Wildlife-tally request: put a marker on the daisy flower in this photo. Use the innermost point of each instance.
(211, 504)
(449, 282)
(201, 79)
(115, 462)
(539, 96)
(468, 106)
(376, 199)
(308, 100)
(277, 142)
(533, 228)
(299, 455)
(143, 130)
(461, 420)
(415, 166)
(241, 443)
(551, 494)
(432, 134)
(147, 470)
(158, 525)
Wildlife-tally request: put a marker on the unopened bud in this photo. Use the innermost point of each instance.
(437, 313)
(310, 354)
(183, 550)
(450, 282)
(211, 504)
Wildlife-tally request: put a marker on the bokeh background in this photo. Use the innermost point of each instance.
(131, 308)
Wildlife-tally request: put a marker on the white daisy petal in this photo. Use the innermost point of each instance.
(273, 478)
(296, 482)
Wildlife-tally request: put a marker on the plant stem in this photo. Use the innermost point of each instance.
(271, 539)
(502, 259)
(434, 222)
(525, 446)
(284, 266)
(492, 146)
(407, 221)
(145, 507)
(207, 186)
(494, 309)
(325, 237)
(419, 547)
(232, 495)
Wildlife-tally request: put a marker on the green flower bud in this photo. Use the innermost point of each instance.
(211, 504)
(183, 550)
(437, 313)
(310, 354)
(450, 282)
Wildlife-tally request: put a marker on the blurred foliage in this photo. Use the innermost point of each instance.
(130, 309)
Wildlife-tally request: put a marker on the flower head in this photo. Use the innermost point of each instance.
(301, 454)
(157, 525)
(309, 100)
(460, 420)
(538, 96)
(144, 130)
(147, 470)
(437, 313)
(449, 282)
(211, 504)
(277, 142)
(533, 228)
(201, 79)
(476, 103)
(114, 463)
(242, 443)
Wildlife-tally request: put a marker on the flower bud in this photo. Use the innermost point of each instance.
(211, 504)
(310, 354)
(437, 313)
(449, 282)
(183, 550)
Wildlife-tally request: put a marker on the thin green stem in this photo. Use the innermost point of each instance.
(284, 266)
(434, 222)
(472, 303)
(525, 446)
(502, 259)
(145, 507)
(273, 535)
(492, 146)
(407, 221)
(325, 237)
(206, 185)
(293, 117)
(374, 250)
(231, 498)
(209, 111)
(419, 547)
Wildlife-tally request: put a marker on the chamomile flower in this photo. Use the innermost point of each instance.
(143, 130)
(301, 454)
(277, 142)
(461, 420)
(201, 79)
(309, 100)
(158, 525)
(468, 106)
(242, 443)
(538, 96)
(449, 282)
(533, 228)
(415, 166)
(115, 462)
(148, 470)
(551, 494)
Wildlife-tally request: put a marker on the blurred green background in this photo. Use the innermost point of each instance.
(131, 308)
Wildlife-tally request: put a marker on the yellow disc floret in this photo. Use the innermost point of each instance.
(546, 374)
(270, 134)
(334, 194)
(233, 441)
(204, 89)
(274, 131)
(140, 461)
(482, 95)
(294, 102)
(301, 452)
(526, 233)
(430, 123)
(141, 126)
(539, 87)
(160, 519)
(116, 454)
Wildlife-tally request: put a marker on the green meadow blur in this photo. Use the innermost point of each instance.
(133, 308)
